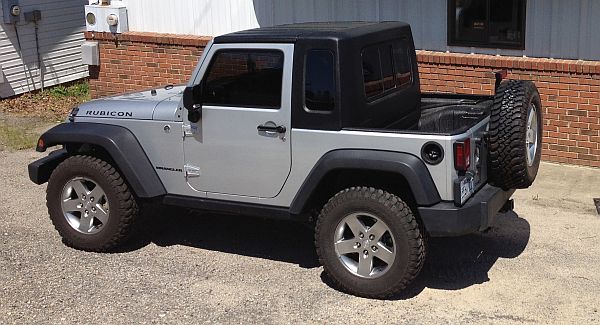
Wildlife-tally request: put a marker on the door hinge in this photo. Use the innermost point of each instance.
(191, 171)
(187, 130)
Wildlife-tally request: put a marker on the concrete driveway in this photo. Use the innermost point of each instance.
(541, 264)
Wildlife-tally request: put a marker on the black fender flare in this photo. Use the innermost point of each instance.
(407, 165)
(121, 145)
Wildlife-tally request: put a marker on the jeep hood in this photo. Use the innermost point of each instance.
(155, 103)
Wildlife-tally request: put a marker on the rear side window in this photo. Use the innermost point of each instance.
(244, 78)
(319, 81)
(386, 68)
(402, 66)
(371, 66)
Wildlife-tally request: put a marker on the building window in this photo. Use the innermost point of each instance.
(319, 81)
(386, 68)
(244, 78)
(487, 23)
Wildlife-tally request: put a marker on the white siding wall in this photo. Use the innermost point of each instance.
(60, 39)
(555, 28)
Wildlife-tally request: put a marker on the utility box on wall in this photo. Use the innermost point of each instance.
(106, 18)
(90, 53)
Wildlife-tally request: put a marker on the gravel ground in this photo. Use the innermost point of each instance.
(541, 264)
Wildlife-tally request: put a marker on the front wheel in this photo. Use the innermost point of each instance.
(90, 204)
(369, 242)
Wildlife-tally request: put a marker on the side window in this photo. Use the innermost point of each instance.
(244, 78)
(371, 67)
(402, 63)
(319, 80)
(386, 68)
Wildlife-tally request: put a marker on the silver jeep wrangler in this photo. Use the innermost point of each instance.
(322, 123)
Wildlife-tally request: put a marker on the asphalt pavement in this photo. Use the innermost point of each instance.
(540, 264)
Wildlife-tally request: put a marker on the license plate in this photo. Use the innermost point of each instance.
(466, 188)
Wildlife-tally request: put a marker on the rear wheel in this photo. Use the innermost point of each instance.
(369, 242)
(515, 145)
(90, 204)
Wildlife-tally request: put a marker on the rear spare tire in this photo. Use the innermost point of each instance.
(515, 135)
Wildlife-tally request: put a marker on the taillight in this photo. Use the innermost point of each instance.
(462, 155)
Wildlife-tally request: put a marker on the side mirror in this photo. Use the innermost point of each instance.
(189, 96)
(192, 101)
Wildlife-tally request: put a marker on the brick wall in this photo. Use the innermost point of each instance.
(134, 61)
(570, 90)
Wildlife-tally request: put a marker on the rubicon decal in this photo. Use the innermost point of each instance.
(108, 113)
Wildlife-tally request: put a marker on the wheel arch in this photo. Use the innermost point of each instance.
(118, 144)
(397, 172)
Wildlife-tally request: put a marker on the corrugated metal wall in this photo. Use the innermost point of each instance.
(563, 29)
(60, 39)
(555, 28)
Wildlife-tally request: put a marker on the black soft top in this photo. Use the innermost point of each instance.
(292, 33)
(346, 40)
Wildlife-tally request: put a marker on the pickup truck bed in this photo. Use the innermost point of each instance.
(444, 114)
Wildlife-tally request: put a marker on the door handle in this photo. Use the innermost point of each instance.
(271, 128)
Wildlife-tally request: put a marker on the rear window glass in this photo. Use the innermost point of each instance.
(386, 67)
(319, 81)
(244, 78)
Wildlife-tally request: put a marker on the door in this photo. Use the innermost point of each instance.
(241, 145)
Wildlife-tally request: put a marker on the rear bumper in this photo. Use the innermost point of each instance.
(40, 170)
(446, 219)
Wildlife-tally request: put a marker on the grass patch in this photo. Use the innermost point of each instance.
(79, 90)
(16, 137)
(23, 118)
(52, 104)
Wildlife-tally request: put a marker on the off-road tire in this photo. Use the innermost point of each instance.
(507, 164)
(123, 205)
(407, 234)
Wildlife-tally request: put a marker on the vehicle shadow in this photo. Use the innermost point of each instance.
(452, 263)
(284, 241)
(459, 262)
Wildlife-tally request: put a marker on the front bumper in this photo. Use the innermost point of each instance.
(40, 170)
(479, 212)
